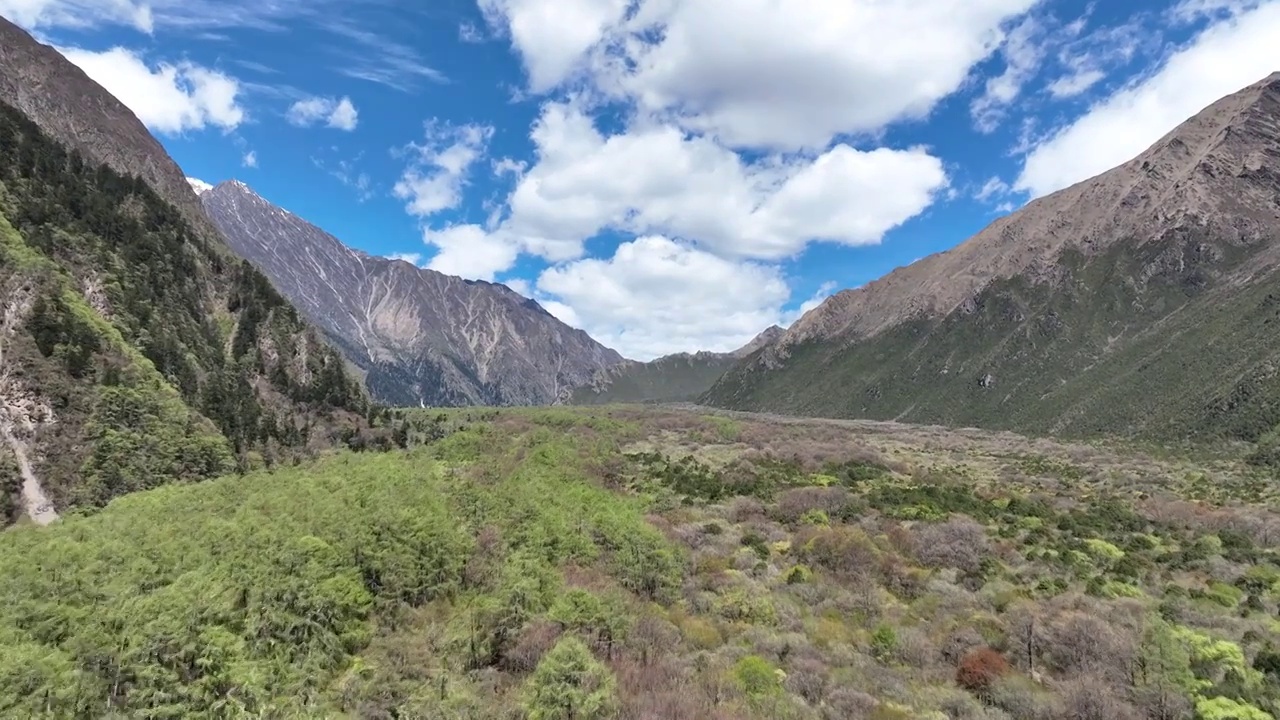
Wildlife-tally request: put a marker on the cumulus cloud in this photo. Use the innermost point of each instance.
(639, 300)
(438, 169)
(1231, 53)
(250, 159)
(337, 113)
(760, 73)
(660, 180)
(469, 251)
(552, 37)
(167, 98)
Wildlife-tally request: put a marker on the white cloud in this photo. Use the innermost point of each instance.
(552, 37)
(468, 251)
(167, 98)
(760, 73)
(336, 113)
(787, 75)
(1189, 11)
(1023, 51)
(250, 159)
(520, 286)
(411, 258)
(660, 180)
(344, 116)
(35, 14)
(1078, 83)
(199, 186)
(469, 33)
(438, 172)
(656, 296)
(1227, 56)
(994, 187)
(348, 173)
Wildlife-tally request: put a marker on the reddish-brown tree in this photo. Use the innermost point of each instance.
(980, 668)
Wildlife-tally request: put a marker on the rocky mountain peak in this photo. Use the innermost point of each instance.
(421, 337)
(768, 336)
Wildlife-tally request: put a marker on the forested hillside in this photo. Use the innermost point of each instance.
(135, 351)
(627, 564)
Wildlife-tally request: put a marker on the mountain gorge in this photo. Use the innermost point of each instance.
(420, 337)
(1143, 301)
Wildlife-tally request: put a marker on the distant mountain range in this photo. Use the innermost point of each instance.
(1144, 301)
(419, 337)
(672, 378)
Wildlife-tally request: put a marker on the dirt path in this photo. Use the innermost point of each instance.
(39, 507)
(15, 414)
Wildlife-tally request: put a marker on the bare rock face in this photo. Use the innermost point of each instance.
(421, 337)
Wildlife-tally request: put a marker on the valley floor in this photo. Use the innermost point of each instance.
(626, 562)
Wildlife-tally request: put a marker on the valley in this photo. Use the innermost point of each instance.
(664, 560)
(248, 470)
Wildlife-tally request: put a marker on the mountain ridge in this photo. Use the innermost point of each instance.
(69, 106)
(420, 337)
(1044, 320)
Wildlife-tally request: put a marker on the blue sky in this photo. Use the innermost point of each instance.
(666, 174)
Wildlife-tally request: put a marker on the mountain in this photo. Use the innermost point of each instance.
(1144, 301)
(73, 109)
(135, 349)
(671, 378)
(420, 337)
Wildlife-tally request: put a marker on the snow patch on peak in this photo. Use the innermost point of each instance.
(201, 187)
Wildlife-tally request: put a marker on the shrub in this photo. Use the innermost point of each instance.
(979, 669)
(757, 677)
(959, 543)
(884, 641)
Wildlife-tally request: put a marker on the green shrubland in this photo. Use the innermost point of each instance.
(617, 563)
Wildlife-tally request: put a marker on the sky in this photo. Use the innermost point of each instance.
(668, 175)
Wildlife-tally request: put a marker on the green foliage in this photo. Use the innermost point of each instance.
(570, 684)
(884, 641)
(674, 378)
(513, 563)
(1224, 708)
(127, 294)
(1112, 344)
(757, 677)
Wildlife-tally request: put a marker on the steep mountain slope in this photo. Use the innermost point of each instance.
(1141, 301)
(73, 109)
(671, 378)
(136, 350)
(421, 337)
